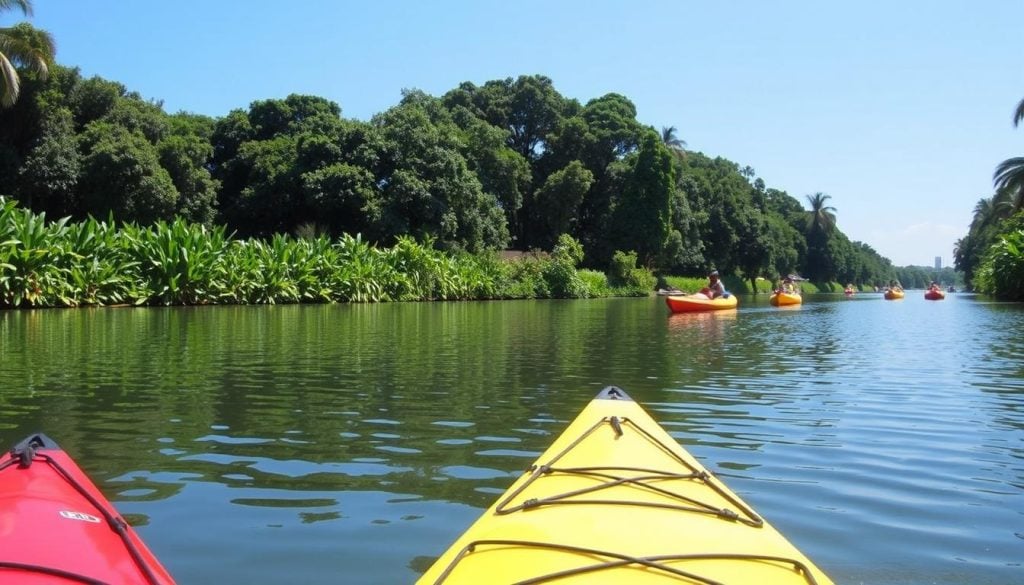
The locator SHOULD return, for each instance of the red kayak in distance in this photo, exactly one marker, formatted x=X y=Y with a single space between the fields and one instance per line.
x=934 y=295
x=57 y=528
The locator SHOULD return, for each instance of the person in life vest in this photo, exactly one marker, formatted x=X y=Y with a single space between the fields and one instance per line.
x=715 y=288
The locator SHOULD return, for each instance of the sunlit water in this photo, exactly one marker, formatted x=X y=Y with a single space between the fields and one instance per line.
x=327 y=444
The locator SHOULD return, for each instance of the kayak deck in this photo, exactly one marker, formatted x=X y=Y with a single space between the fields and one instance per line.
x=616 y=500
x=57 y=528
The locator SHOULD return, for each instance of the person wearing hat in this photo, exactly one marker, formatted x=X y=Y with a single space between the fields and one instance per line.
x=715 y=288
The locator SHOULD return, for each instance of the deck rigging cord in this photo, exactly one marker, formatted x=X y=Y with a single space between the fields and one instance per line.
x=644 y=479
x=27 y=453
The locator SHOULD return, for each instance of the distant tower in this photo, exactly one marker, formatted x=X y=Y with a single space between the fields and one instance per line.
x=938 y=263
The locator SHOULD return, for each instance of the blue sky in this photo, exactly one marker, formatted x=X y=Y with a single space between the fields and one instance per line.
x=898 y=110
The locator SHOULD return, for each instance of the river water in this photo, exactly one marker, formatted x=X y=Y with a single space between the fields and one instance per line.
x=353 y=443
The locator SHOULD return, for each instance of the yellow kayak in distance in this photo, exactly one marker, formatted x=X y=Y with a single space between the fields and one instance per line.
x=894 y=295
x=615 y=500
x=782 y=299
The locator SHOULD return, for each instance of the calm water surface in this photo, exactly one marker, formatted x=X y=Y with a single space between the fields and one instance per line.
x=327 y=444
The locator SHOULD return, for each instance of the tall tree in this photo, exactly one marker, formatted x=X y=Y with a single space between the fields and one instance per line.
x=821 y=220
x=643 y=214
x=823 y=217
x=1009 y=175
x=670 y=138
x=22 y=45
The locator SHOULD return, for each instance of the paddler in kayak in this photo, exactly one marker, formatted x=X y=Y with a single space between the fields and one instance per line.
x=787 y=287
x=715 y=288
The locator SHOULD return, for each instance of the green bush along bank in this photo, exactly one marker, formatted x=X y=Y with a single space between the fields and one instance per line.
x=93 y=263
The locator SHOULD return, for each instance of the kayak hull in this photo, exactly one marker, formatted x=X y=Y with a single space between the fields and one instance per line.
x=894 y=295
x=695 y=303
x=56 y=527
x=782 y=299
x=614 y=500
x=934 y=295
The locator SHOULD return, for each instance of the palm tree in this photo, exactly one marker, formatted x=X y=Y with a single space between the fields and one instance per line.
x=24 y=45
x=1009 y=175
x=670 y=139
x=984 y=214
x=823 y=217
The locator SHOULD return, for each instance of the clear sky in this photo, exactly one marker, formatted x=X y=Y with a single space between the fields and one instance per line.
x=898 y=110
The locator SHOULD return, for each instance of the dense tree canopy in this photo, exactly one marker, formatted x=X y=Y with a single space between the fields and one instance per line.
x=510 y=163
x=991 y=255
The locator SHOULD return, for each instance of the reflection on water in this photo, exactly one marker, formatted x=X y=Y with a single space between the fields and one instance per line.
x=352 y=443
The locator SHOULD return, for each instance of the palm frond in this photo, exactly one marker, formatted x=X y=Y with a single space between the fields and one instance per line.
x=1009 y=175
x=28 y=47
x=10 y=85
x=1018 y=114
x=670 y=139
x=24 y=5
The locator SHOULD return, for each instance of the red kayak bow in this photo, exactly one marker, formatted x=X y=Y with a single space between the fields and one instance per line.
x=57 y=528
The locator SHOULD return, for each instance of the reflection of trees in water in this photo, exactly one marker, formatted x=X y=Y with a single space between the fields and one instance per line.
x=318 y=408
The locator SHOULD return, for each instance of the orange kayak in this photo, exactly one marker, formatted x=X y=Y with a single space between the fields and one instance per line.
x=781 y=299
x=893 y=295
x=698 y=302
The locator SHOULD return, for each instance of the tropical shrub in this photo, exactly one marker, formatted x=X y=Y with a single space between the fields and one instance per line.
x=595 y=283
x=560 y=270
x=97 y=265
x=29 y=273
x=1001 y=273
x=180 y=263
x=625 y=276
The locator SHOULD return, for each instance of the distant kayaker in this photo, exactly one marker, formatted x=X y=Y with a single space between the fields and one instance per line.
x=895 y=285
x=715 y=288
x=787 y=286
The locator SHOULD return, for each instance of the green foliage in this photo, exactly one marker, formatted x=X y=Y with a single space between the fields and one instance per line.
x=642 y=217
x=22 y=46
x=568 y=250
x=97 y=265
x=428 y=190
x=512 y=160
x=179 y=263
x=1001 y=273
x=49 y=174
x=687 y=284
x=595 y=283
x=562 y=280
x=184 y=157
x=814 y=287
x=624 y=274
x=29 y=272
x=557 y=203
x=121 y=174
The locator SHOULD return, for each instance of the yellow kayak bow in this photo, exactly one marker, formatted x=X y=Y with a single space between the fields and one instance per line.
x=616 y=500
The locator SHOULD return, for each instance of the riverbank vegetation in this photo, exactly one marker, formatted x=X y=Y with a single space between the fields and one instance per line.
x=89 y=263
x=991 y=255
x=508 y=165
